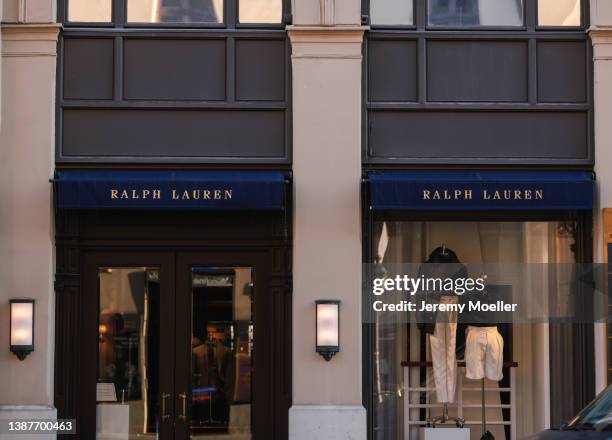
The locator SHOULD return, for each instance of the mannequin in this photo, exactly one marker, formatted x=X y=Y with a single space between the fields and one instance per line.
x=442 y=326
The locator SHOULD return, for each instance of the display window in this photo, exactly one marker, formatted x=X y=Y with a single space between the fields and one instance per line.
x=408 y=390
x=434 y=366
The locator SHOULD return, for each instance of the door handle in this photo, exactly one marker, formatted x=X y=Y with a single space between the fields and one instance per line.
x=183 y=415
x=165 y=416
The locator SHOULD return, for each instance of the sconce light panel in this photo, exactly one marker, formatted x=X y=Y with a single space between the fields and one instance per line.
x=22 y=327
x=327 y=328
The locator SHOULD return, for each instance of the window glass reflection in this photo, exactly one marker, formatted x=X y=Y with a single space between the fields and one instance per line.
x=404 y=395
x=90 y=11
x=222 y=349
x=175 y=11
x=559 y=12
x=475 y=12
x=128 y=353
x=391 y=12
x=260 y=11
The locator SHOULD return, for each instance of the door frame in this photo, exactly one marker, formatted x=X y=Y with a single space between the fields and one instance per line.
x=79 y=233
x=92 y=262
x=262 y=317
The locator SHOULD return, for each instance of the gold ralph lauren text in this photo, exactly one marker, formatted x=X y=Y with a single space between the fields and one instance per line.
x=175 y=194
x=468 y=194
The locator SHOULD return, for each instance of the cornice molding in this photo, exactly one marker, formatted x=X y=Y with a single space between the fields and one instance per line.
x=326 y=42
x=601 y=38
x=326 y=34
x=27 y=31
x=29 y=40
x=600 y=34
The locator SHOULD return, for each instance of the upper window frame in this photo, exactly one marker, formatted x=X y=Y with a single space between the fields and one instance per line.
x=530 y=21
x=119 y=19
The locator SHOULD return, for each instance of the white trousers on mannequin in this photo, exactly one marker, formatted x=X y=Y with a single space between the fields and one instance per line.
x=443 y=343
x=484 y=353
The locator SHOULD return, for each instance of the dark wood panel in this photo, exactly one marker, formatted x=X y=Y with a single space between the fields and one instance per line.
x=477 y=71
x=392 y=70
x=202 y=95
x=175 y=133
x=260 y=70
x=88 y=68
x=174 y=69
x=182 y=227
x=562 y=70
x=478 y=134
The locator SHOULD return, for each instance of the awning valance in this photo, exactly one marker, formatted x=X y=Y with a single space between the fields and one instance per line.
x=465 y=191
x=165 y=189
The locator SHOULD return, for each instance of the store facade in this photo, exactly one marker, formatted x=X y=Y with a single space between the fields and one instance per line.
x=188 y=305
x=477 y=144
x=217 y=167
x=172 y=197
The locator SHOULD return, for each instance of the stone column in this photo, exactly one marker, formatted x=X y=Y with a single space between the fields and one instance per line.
x=601 y=36
x=326 y=61
x=27 y=115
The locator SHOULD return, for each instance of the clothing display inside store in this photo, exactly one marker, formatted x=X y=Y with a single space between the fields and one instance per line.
x=486 y=376
x=484 y=345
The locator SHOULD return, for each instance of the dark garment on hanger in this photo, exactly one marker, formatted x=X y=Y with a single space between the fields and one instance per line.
x=442 y=263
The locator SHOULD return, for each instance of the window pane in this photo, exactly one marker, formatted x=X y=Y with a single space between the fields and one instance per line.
x=559 y=12
x=475 y=12
x=127 y=391
x=391 y=12
x=175 y=11
x=404 y=397
x=260 y=11
x=90 y=11
x=221 y=353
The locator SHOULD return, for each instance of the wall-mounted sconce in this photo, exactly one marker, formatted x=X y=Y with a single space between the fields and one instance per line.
x=22 y=327
x=328 y=327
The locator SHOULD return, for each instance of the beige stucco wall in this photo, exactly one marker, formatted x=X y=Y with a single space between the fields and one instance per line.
x=26 y=161
x=326 y=43
x=327 y=235
x=601 y=36
x=312 y=12
x=28 y=11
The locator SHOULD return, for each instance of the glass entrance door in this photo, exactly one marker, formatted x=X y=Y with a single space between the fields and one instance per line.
x=219 y=400
x=176 y=344
x=127 y=338
x=216 y=346
x=129 y=395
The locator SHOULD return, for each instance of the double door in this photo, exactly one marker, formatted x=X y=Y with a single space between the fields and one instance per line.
x=177 y=345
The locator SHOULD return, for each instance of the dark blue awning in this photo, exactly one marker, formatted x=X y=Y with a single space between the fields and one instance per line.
x=164 y=189
x=464 y=191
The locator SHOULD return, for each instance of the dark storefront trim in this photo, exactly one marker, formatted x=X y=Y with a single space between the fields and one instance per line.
x=173 y=93
x=257 y=237
x=534 y=115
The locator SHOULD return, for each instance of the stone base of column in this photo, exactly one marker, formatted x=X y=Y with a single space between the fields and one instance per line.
x=329 y=422
x=26 y=412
